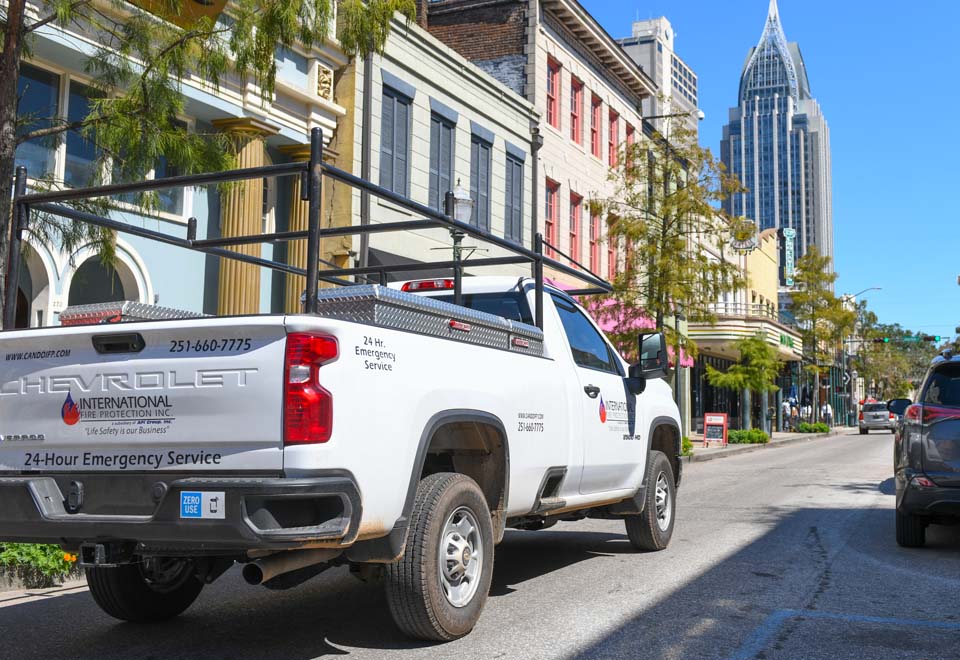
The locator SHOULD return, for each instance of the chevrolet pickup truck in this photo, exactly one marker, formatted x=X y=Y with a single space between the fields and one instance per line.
x=392 y=431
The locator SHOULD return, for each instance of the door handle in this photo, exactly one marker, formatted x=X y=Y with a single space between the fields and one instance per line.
x=591 y=390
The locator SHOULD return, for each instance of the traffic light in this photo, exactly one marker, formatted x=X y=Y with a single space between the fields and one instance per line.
x=935 y=338
x=881 y=340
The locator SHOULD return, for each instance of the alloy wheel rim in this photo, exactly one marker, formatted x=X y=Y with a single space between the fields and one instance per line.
x=460 y=557
x=664 y=505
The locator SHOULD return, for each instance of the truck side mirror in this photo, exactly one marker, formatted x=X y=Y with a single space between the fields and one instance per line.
x=654 y=360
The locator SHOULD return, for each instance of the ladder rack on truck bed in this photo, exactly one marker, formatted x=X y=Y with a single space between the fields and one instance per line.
x=311 y=174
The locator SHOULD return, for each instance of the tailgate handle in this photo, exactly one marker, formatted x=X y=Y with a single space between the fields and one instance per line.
x=128 y=342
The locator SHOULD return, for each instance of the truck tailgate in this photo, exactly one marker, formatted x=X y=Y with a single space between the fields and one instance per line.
x=188 y=395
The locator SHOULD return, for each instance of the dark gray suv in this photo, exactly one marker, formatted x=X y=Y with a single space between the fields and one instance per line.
x=926 y=453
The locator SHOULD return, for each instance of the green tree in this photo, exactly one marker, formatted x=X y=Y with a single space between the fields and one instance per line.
x=675 y=242
x=144 y=52
x=822 y=317
x=756 y=370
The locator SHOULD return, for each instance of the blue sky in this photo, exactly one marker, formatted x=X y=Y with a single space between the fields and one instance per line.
x=886 y=76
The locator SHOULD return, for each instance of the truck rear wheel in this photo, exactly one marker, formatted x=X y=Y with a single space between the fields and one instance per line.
x=153 y=589
x=652 y=529
x=437 y=590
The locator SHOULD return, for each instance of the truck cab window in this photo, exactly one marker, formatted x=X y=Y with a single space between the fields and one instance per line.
x=510 y=305
x=588 y=346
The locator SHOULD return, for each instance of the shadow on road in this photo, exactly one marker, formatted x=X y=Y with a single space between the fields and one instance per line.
x=807 y=561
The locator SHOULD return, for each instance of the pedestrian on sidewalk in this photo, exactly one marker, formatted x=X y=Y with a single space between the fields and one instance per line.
x=794 y=417
x=785 y=415
x=829 y=414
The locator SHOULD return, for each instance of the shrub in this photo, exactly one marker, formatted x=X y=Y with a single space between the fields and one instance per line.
x=37 y=565
x=806 y=427
x=751 y=437
x=687 y=446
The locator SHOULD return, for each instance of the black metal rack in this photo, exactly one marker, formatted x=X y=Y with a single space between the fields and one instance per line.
x=311 y=173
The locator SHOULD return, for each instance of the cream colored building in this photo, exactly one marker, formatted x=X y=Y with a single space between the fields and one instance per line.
x=435 y=120
x=745 y=313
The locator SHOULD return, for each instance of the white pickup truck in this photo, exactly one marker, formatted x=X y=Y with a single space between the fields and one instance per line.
x=393 y=431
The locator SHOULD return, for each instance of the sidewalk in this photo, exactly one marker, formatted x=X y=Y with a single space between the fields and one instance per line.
x=779 y=439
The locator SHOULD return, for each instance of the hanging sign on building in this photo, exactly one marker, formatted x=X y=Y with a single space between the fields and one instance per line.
x=715 y=429
x=788 y=262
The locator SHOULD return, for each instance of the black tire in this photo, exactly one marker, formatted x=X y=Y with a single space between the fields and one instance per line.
x=647 y=531
x=415 y=589
x=911 y=531
x=124 y=592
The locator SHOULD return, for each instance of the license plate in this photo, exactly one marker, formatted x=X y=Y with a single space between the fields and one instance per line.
x=203 y=505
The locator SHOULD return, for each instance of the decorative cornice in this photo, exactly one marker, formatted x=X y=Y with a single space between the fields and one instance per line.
x=245 y=126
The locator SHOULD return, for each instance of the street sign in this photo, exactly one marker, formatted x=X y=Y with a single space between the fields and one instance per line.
x=846 y=377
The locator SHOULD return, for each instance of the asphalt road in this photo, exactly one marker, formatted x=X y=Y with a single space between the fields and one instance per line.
x=784 y=553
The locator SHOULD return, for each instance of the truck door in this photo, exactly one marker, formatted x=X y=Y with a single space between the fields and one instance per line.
x=612 y=447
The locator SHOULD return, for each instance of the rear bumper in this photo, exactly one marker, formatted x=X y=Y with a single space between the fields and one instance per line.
x=878 y=426
x=937 y=502
x=257 y=513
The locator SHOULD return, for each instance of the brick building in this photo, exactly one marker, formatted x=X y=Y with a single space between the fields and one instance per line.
x=587 y=90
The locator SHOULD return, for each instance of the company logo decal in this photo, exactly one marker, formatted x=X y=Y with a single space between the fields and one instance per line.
x=603 y=412
x=69 y=411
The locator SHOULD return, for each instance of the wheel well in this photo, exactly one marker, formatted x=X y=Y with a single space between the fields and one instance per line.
x=666 y=439
x=479 y=451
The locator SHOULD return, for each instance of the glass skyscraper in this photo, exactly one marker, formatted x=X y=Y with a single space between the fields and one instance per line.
x=778 y=144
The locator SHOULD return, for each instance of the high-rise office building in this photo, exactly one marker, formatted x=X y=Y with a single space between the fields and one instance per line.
x=651 y=46
x=778 y=144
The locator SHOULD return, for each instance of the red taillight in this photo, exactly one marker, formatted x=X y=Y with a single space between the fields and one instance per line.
x=308 y=408
x=912 y=413
x=892 y=417
x=937 y=414
x=427 y=285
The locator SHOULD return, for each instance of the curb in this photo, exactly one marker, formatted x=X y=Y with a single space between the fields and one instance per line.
x=733 y=450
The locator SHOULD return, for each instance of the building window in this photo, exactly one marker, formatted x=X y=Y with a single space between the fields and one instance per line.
x=552 y=215
x=82 y=154
x=576 y=206
x=442 y=140
x=38 y=92
x=480 y=156
x=395 y=141
x=613 y=139
x=513 y=214
x=553 y=92
x=595 y=108
x=594 y=243
x=631 y=135
x=576 y=111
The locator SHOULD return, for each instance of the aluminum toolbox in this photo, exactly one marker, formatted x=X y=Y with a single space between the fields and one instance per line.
x=121 y=311
x=373 y=304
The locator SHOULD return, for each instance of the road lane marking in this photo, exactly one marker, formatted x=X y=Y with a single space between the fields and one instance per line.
x=766 y=631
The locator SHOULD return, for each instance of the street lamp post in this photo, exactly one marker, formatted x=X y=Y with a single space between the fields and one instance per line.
x=458 y=206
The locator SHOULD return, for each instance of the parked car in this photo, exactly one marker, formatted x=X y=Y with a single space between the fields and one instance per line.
x=876 y=417
x=391 y=431
x=926 y=456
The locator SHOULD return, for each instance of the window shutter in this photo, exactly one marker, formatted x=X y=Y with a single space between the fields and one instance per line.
x=387 y=140
x=436 y=131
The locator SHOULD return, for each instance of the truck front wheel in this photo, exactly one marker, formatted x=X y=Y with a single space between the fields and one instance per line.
x=437 y=590
x=152 y=589
x=652 y=529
